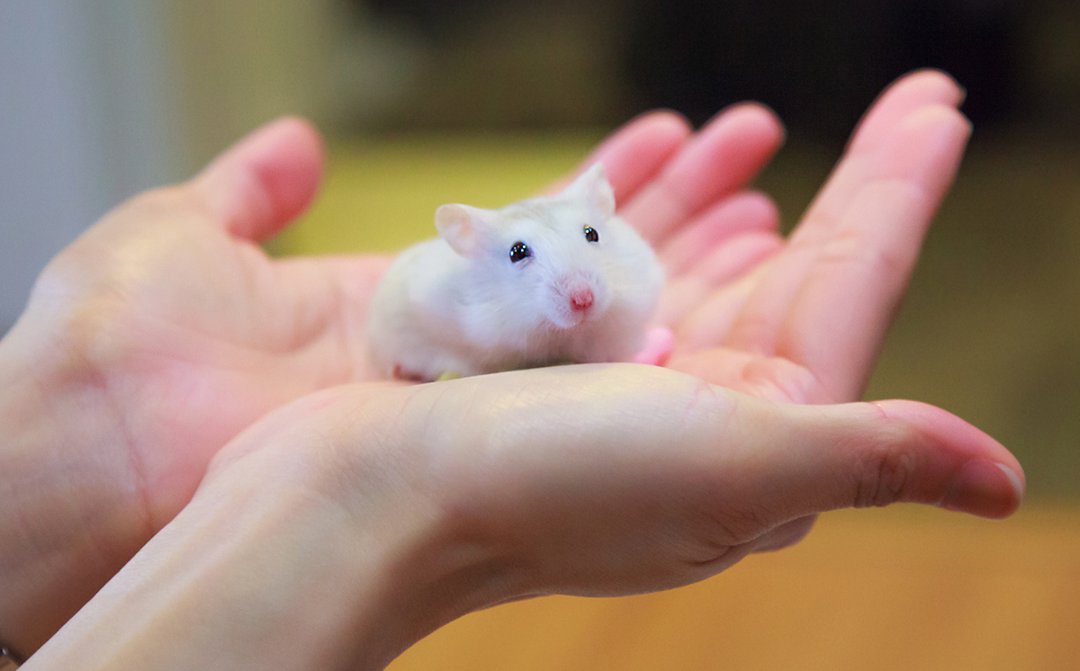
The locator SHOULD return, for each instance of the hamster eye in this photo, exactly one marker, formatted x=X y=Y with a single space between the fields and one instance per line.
x=591 y=235
x=519 y=251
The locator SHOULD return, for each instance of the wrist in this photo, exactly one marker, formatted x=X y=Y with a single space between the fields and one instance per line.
x=62 y=508
x=287 y=557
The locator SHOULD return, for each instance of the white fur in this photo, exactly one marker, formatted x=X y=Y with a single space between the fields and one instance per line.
x=472 y=311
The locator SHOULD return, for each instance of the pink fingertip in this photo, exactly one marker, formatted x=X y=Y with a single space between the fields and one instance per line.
x=1017 y=480
x=948 y=89
x=661 y=128
x=908 y=93
x=751 y=113
x=292 y=173
x=636 y=151
x=659 y=343
x=988 y=481
x=984 y=488
x=266 y=179
x=724 y=155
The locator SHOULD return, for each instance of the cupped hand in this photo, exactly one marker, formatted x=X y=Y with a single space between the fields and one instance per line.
x=182 y=331
x=612 y=479
x=163 y=332
x=343 y=527
x=798 y=319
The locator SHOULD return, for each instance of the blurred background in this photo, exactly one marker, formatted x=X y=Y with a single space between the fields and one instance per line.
x=426 y=102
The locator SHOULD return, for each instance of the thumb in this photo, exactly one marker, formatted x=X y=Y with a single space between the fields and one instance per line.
x=265 y=180
x=818 y=458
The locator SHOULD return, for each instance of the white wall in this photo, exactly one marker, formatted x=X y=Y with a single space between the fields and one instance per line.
x=83 y=123
x=101 y=99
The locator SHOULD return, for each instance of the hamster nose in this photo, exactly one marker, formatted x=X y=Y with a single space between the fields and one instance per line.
x=581 y=300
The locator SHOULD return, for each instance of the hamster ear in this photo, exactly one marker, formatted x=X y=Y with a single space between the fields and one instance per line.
x=593 y=186
x=465 y=228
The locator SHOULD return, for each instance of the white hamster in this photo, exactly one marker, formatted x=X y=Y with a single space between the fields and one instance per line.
x=556 y=279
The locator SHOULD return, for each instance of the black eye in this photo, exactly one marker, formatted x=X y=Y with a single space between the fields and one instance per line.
x=591 y=235
x=519 y=251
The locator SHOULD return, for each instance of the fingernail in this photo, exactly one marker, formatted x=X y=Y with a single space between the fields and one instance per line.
x=984 y=488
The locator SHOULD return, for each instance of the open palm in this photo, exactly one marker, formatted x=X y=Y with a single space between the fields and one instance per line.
x=800 y=319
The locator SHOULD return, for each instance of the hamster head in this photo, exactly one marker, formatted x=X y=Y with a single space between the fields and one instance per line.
x=553 y=263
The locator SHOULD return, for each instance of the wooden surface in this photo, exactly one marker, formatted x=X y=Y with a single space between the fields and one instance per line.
x=902 y=588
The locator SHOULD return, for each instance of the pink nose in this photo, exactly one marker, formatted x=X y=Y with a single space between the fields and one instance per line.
x=581 y=300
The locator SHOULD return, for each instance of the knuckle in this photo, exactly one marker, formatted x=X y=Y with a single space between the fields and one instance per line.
x=857 y=246
x=885 y=476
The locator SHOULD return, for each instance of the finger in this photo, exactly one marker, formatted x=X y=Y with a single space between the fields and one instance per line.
x=605 y=474
x=773 y=379
x=703 y=301
x=680 y=297
x=802 y=460
x=720 y=159
x=740 y=255
x=264 y=181
x=838 y=321
x=741 y=213
x=335 y=307
x=878 y=236
x=907 y=95
x=635 y=152
x=756 y=328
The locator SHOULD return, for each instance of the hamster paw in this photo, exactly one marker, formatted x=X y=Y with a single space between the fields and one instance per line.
x=399 y=373
x=659 y=342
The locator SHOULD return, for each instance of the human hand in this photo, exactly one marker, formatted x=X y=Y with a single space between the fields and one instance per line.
x=800 y=319
x=136 y=361
x=159 y=335
x=342 y=528
x=146 y=345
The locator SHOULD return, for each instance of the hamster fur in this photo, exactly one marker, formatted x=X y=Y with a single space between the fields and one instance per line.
x=582 y=289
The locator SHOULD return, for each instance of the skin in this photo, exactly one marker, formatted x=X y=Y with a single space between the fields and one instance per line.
x=342 y=528
x=164 y=334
